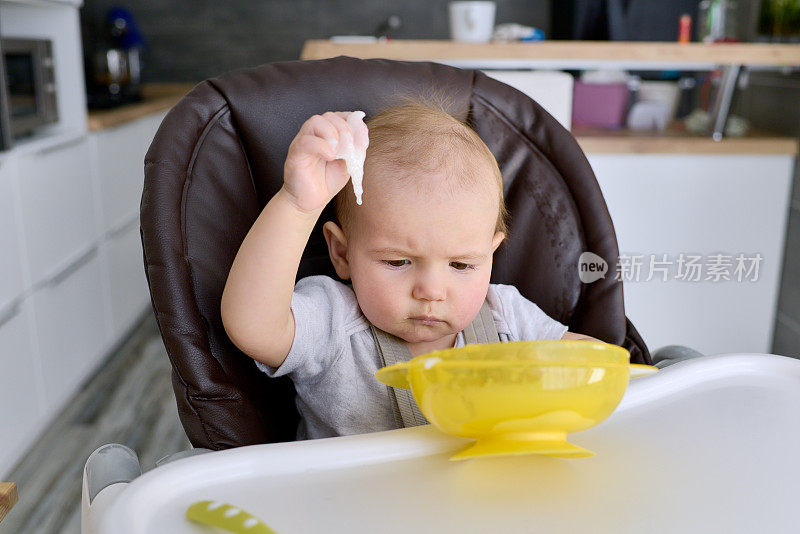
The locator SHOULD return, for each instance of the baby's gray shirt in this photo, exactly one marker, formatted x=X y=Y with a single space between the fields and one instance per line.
x=334 y=356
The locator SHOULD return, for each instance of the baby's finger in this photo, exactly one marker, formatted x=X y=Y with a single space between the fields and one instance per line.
x=342 y=114
x=346 y=144
x=355 y=123
x=321 y=127
x=359 y=129
x=339 y=122
x=311 y=145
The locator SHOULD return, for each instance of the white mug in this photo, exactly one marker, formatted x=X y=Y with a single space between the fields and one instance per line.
x=472 y=21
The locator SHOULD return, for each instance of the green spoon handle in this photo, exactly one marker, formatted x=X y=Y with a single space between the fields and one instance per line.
x=227 y=517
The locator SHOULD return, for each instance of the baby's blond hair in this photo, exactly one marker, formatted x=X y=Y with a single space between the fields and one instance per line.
x=422 y=136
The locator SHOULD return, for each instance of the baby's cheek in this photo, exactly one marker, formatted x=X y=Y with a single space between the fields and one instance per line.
x=470 y=301
x=381 y=303
x=376 y=298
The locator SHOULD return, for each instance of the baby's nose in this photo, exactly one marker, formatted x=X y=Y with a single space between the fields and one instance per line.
x=429 y=286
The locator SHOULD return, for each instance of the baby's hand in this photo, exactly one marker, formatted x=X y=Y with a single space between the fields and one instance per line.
x=313 y=172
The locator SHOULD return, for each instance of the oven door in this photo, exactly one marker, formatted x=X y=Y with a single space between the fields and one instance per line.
x=30 y=90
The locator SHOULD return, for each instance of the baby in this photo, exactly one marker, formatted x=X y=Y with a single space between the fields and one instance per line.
x=418 y=252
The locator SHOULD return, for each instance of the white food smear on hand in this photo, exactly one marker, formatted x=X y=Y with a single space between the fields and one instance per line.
x=354 y=154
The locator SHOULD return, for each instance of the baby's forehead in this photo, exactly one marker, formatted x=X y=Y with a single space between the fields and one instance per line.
x=387 y=198
x=428 y=198
x=445 y=175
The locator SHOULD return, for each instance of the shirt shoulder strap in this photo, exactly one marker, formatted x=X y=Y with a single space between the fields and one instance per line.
x=482 y=329
x=394 y=350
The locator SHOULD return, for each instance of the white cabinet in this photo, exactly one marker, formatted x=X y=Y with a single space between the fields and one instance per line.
x=70 y=327
x=57 y=206
x=119 y=156
x=69 y=222
x=62 y=307
x=11 y=259
x=119 y=153
x=708 y=206
x=72 y=280
x=129 y=294
x=21 y=405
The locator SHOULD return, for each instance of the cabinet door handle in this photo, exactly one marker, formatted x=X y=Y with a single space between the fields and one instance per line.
x=9 y=313
x=123 y=227
x=62 y=145
x=72 y=267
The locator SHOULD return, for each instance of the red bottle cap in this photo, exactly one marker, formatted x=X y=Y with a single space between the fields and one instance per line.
x=685 y=29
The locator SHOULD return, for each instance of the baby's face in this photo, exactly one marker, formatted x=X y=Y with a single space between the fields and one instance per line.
x=420 y=259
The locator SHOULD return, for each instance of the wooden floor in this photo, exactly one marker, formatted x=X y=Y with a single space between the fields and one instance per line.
x=128 y=401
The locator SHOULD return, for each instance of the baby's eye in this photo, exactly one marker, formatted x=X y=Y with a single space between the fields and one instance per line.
x=396 y=263
x=458 y=266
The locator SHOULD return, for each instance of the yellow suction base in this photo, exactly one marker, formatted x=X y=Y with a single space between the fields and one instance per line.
x=518 y=444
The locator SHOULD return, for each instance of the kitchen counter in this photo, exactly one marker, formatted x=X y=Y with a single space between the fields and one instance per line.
x=156 y=97
x=162 y=96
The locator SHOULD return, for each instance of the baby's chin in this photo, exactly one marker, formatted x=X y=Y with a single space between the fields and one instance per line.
x=417 y=333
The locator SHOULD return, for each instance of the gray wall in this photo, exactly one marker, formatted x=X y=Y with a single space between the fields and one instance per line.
x=191 y=40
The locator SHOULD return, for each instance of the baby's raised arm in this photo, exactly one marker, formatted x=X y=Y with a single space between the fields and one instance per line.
x=256 y=301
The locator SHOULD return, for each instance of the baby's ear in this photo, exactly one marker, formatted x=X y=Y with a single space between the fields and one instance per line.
x=498 y=238
x=337 y=248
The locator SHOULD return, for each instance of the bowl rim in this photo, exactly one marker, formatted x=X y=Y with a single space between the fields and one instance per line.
x=429 y=364
x=622 y=355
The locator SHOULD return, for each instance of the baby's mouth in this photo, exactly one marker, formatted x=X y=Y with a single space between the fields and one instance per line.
x=429 y=320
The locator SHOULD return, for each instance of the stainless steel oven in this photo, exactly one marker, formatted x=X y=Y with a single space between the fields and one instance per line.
x=28 y=92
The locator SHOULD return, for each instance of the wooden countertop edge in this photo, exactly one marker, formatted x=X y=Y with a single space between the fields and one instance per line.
x=8 y=498
x=688 y=145
x=157 y=97
x=772 y=54
x=101 y=120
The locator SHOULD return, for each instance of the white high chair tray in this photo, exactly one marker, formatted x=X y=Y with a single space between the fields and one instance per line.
x=706 y=445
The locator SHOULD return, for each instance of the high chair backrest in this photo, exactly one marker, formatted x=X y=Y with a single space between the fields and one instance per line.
x=218 y=158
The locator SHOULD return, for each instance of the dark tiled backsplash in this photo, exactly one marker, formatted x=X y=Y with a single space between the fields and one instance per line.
x=191 y=40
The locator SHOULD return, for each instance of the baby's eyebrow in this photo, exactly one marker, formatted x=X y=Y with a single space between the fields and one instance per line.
x=389 y=250
x=472 y=256
x=407 y=254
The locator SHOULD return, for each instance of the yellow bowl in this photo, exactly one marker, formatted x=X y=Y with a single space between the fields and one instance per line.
x=517 y=398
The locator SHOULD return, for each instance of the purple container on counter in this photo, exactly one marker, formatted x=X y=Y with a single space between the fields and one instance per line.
x=600 y=104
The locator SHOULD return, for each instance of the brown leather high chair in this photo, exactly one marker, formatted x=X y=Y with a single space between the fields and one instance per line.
x=218 y=158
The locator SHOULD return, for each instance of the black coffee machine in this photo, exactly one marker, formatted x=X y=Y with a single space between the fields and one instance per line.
x=113 y=62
